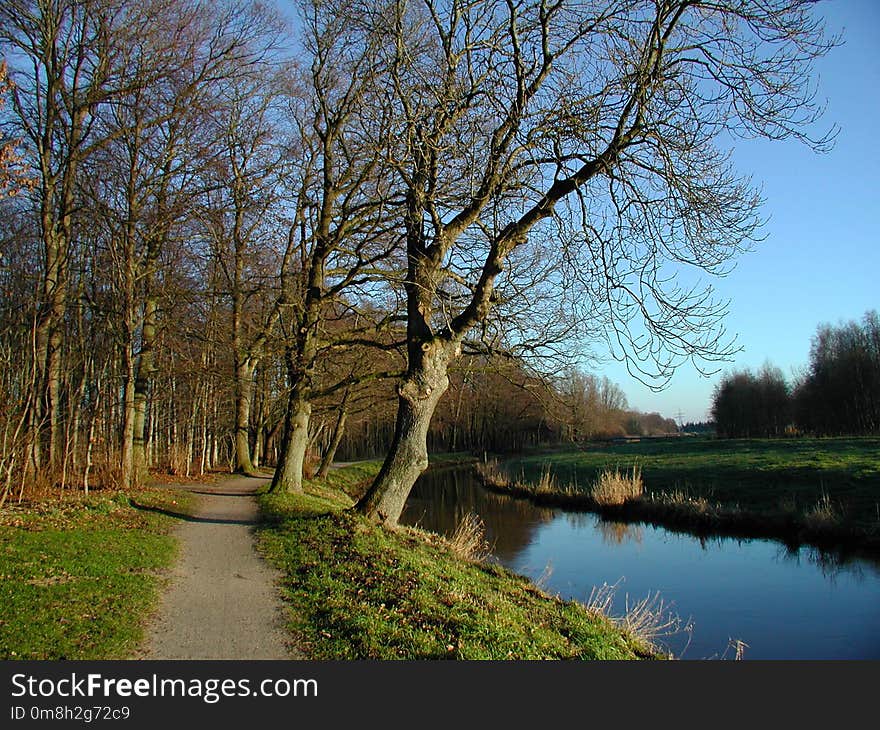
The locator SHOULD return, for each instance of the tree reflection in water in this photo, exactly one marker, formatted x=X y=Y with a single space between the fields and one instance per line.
x=441 y=498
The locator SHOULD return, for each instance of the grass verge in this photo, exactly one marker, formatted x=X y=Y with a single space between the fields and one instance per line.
x=624 y=497
x=761 y=475
x=358 y=591
x=79 y=575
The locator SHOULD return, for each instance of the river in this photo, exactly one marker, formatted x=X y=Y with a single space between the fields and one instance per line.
x=782 y=603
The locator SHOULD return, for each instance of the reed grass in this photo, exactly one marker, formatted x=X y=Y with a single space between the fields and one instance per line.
x=822 y=514
x=614 y=488
x=648 y=620
x=468 y=542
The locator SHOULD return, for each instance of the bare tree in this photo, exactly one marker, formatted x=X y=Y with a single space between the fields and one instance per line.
x=68 y=67
x=145 y=181
x=839 y=393
x=341 y=229
x=13 y=174
x=243 y=207
x=599 y=130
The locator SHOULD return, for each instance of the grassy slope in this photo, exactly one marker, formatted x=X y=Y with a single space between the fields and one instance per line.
x=758 y=475
x=358 y=591
x=78 y=576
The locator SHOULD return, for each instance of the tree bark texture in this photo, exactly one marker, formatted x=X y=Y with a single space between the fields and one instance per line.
x=244 y=388
x=294 y=445
x=330 y=453
x=417 y=398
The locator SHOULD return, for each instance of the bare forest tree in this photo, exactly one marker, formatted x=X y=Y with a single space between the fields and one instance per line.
x=106 y=98
x=243 y=210
x=236 y=245
x=746 y=404
x=595 y=406
x=72 y=51
x=840 y=392
x=600 y=130
x=341 y=230
x=147 y=179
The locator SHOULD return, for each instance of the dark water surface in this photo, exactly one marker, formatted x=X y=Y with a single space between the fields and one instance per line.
x=784 y=604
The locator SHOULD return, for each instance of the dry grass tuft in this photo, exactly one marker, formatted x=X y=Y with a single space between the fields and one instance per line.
x=739 y=648
x=542 y=580
x=651 y=619
x=823 y=514
x=490 y=471
x=679 y=498
x=647 y=620
x=547 y=482
x=469 y=539
x=614 y=488
x=600 y=600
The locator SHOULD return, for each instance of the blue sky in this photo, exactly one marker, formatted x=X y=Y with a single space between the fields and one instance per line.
x=820 y=261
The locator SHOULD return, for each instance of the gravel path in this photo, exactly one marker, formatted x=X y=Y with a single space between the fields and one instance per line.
x=222 y=602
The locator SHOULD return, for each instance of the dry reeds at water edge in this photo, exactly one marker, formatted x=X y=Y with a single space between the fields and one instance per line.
x=621 y=494
x=494 y=477
x=612 y=488
x=647 y=620
x=822 y=515
x=469 y=539
x=547 y=482
x=615 y=488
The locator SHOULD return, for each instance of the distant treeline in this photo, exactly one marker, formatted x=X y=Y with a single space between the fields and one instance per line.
x=700 y=427
x=839 y=394
x=499 y=406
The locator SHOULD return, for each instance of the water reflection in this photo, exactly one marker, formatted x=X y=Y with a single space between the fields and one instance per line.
x=831 y=564
x=442 y=498
x=617 y=533
x=783 y=602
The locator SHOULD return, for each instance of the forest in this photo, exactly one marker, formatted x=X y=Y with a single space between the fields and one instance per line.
x=232 y=239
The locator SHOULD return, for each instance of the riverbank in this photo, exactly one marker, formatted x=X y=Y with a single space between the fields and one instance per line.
x=823 y=493
x=358 y=591
x=80 y=574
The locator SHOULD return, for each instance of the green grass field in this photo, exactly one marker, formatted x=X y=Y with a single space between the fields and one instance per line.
x=756 y=474
x=79 y=575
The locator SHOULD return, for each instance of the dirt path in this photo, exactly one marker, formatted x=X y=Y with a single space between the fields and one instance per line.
x=222 y=602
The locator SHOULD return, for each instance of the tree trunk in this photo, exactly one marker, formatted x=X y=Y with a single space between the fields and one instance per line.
x=91 y=437
x=258 y=448
x=330 y=454
x=53 y=391
x=271 y=439
x=418 y=395
x=151 y=447
x=338 y=431
x=203 y=441
x=314 y=438
x=244 y=388
x=145 y=372
x=48 y=335
x=294 y=444
x=191 y=432
x=129 y=475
